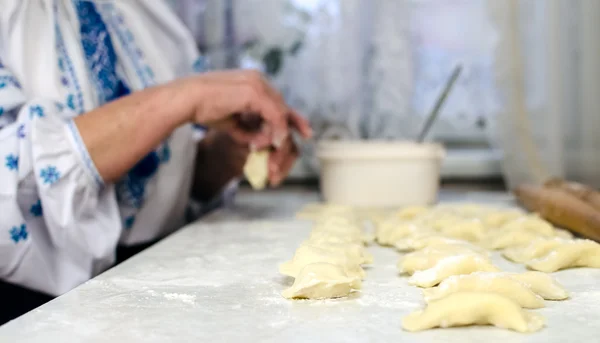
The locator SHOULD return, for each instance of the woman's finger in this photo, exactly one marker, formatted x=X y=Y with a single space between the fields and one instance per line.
x=300 y=124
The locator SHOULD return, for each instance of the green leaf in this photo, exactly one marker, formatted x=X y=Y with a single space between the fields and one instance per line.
x=273 y=60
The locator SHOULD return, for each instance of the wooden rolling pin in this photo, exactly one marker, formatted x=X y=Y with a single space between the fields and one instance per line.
x=581 y=191
x=561 y=208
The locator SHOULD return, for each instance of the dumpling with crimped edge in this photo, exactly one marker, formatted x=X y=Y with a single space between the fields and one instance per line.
x=474 y=308
x=496 y=282
x=393 y=230
x=428 y=257
x=533 y=250
x=428 y=239
x=322 y=281
x=328 y=236
x=306 y=255
x=542 y=284
x=354 y=251
x=411 y=212
x=504 y=238
x=531 y=223
x=449 y=266
x=571 y=254
x=495 y=219
x=471 y=230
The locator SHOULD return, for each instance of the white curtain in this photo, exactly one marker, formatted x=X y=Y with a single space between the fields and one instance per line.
x=548 y=76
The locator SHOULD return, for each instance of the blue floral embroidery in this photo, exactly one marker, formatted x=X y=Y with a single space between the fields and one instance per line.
x=18 y=233
x=199 y=65
x=36 y=111
x=21 y=131
x=129 y=222
x=50 y=175
x=36 y=209
x=71 y=101
x=12 y=162
x=166 y=154
x=6 y=81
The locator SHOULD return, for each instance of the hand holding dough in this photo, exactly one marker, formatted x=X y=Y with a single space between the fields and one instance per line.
x=473 y=308
x=322 y=281
x=256 y=169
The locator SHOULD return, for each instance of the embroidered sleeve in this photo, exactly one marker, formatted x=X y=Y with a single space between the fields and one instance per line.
x=54 y=203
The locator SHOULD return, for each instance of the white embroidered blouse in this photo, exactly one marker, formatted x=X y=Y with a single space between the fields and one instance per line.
x=59 y=222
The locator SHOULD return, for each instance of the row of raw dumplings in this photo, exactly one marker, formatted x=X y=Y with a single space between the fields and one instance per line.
x=524 y=238
x=329 y=263
x=448 y=256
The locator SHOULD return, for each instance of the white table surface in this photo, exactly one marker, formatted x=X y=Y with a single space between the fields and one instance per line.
x=217 y=281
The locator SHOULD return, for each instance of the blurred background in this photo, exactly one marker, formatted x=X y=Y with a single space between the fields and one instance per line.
x=524 y=108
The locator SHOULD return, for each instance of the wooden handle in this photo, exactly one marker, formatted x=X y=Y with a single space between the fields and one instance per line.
x=581 y=191
x=561 y=208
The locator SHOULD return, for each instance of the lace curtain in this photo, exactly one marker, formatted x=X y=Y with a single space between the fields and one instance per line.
x=360 y=69
x=548 y=74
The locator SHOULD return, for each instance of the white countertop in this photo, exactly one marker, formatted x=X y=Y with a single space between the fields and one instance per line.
x=217 y=281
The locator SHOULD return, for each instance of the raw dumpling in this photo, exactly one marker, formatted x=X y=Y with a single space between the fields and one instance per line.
x=306 y=255
x=354 y=251
x=453 y=265
x=333 y=237
x=256 y=169
x=561 y=233
x=469 y=230
x=409 y=213
x=500 y=283
x=498 y=218
x=473 y=308
x=393 y=230
x=531 y=223
x=535 y=249
x=322 y=281
x=502 y=239
x=428 y=257
x=542 y=284
x=425 y=240
x=574 y=253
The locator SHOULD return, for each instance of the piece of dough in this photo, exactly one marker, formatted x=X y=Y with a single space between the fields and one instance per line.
x=334 y=237
x=498 y=218
x=533 y=250
x=504 y=238
x=561 y=233
x=571 y=254
x=425 y=240
x=453 y=265
x=542 y=284
x=394 y=229
x=411 y=212
x=354 y=251
x=474 y=308
x=306 y=255
x=256 y=169
x=500 y=283
x=471 y=230
x=531 y=223
x=428 y=257
x=322 y=281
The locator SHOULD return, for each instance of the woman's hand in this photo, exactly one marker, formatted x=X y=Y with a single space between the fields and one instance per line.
x=221 y=99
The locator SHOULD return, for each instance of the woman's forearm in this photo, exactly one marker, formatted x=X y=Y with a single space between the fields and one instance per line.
x=119 y=134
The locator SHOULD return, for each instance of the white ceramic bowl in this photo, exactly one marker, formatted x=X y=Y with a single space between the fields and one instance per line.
x=379 y=173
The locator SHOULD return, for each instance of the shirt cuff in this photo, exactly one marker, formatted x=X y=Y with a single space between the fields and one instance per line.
x=82 y=152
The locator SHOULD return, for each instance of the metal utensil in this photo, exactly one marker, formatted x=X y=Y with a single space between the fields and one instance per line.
x=438 y=105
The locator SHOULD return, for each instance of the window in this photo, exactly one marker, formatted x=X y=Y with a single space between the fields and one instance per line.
x=369 y=69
